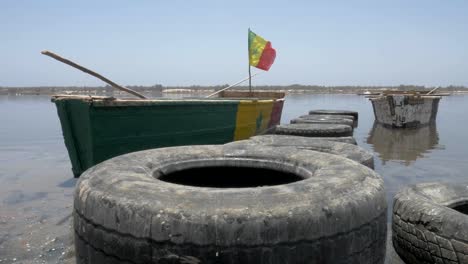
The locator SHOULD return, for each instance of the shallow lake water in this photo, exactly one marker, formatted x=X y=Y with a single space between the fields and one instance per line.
x=408 y=156
x=36 y=182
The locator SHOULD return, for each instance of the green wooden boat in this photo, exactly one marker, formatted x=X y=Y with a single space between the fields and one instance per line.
x=98 y=128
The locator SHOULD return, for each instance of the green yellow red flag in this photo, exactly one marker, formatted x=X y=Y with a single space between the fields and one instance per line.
x=261 y=53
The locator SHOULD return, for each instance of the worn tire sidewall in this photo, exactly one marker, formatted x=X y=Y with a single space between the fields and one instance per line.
x=121 y=196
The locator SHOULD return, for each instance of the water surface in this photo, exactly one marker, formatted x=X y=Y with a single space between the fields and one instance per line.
x=36 y=182
x=403 y=157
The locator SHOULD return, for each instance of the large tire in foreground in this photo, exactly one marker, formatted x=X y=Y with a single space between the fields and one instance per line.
x=349 y=151
x=349 y=140
x=430 y=223
x=229 y=204
x=347 y=122
x=335 y=112
x=314 y=130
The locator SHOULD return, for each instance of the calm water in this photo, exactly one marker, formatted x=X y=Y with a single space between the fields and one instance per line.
x=403 y=157
x=36 y=183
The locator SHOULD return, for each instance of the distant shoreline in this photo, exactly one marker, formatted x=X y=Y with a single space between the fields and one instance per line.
x=159 y=90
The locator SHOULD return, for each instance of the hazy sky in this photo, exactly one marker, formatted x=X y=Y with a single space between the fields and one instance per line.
x=205 y=42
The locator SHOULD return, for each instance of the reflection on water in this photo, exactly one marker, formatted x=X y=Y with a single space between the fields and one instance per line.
x=405 y=145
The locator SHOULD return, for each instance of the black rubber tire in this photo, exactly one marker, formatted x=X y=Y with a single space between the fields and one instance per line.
x=124 y=214
x=329 y=117
x=349 y=140
x=347 y=122
x=345 y=150
x=335 y=112
x=425 y=227
x=315 y=116
x=391 y=256
x=314 y=130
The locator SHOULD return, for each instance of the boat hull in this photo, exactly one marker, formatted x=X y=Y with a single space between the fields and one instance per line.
x=405 y=111
x=97 y=129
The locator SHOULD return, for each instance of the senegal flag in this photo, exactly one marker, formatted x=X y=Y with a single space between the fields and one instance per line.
x=261 y=54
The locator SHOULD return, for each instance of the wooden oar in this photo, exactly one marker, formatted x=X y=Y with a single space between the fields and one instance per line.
x=97 y=75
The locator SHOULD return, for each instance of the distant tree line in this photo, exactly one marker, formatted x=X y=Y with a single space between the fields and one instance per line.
x=158 y=89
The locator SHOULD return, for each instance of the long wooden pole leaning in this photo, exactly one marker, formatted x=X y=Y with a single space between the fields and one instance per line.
x=81 y=68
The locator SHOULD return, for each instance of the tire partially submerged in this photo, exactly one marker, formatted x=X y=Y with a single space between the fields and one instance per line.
x=347 y=122
x=349 y=140
x=315 y=116
x=331 y=117
x=430 y=223
x=335 y=112
x=314 y=130
x=349 y=151
x=229 y=204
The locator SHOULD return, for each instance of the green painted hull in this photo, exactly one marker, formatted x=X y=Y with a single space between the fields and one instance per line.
x=96 y=130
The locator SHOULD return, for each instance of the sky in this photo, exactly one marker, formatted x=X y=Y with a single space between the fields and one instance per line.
x=182 y=43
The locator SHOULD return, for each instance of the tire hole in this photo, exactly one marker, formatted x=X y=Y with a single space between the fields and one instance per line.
x=462 y=208
x=230 y=177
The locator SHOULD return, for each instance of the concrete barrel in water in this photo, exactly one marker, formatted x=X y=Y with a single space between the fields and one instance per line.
x=405 y=110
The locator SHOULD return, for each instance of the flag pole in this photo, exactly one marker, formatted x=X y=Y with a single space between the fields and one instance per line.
x=250 y=80
x=248 y=49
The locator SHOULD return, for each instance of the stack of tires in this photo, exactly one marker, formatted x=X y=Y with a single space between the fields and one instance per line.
x=329 y=131
x=321 y=123
x=269 y=199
